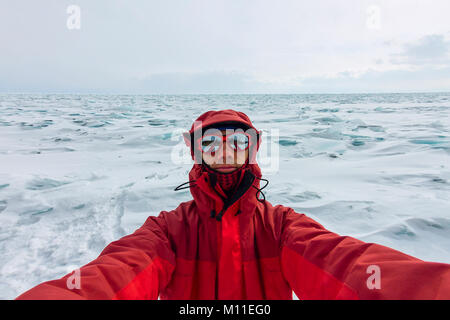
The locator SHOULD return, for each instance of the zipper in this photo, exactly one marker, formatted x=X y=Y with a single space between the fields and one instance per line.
x=246 y=183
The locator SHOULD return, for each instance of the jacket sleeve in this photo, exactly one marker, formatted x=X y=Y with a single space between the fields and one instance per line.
x=136 y=266
x=319 y=264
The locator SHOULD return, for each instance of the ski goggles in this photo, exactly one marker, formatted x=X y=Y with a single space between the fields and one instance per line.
x=238 y=141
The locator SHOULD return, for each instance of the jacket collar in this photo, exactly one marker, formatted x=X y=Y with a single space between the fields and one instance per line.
x=207 y=199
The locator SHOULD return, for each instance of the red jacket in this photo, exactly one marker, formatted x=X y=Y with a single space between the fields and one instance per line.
x=255 y=251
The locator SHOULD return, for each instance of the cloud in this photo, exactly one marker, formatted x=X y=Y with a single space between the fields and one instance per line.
x=429 y=50
x=372 y=81
x=200 y=82
x=224 y=46
x=423 y=79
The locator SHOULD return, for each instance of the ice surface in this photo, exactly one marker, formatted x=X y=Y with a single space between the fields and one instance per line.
x=79 y=171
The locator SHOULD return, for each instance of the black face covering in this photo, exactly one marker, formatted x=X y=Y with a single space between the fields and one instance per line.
x=227 y=181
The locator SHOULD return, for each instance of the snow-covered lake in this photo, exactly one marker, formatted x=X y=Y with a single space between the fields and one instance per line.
x=79 y=171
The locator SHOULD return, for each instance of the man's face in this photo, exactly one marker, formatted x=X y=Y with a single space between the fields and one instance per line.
x=226 y=159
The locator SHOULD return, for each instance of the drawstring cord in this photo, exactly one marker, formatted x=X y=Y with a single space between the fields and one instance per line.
x=260 y=190
x=180 y=187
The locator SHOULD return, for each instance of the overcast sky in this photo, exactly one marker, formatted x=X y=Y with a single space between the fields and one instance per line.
x=225 y=46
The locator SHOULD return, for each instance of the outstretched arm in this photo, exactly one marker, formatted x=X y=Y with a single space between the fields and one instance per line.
x=137 y=266
x=319 y=264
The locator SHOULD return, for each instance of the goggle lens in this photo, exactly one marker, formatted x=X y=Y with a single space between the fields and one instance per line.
x=238 y=141
x=210 y=143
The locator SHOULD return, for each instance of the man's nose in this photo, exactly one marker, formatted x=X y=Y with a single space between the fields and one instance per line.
x=228 y=154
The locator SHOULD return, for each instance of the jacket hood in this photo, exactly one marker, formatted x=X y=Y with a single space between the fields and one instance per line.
x=210 y=118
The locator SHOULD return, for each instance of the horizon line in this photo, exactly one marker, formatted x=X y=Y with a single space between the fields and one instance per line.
x=231 y=93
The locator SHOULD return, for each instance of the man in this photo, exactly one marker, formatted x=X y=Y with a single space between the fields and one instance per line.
x=229 y=243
